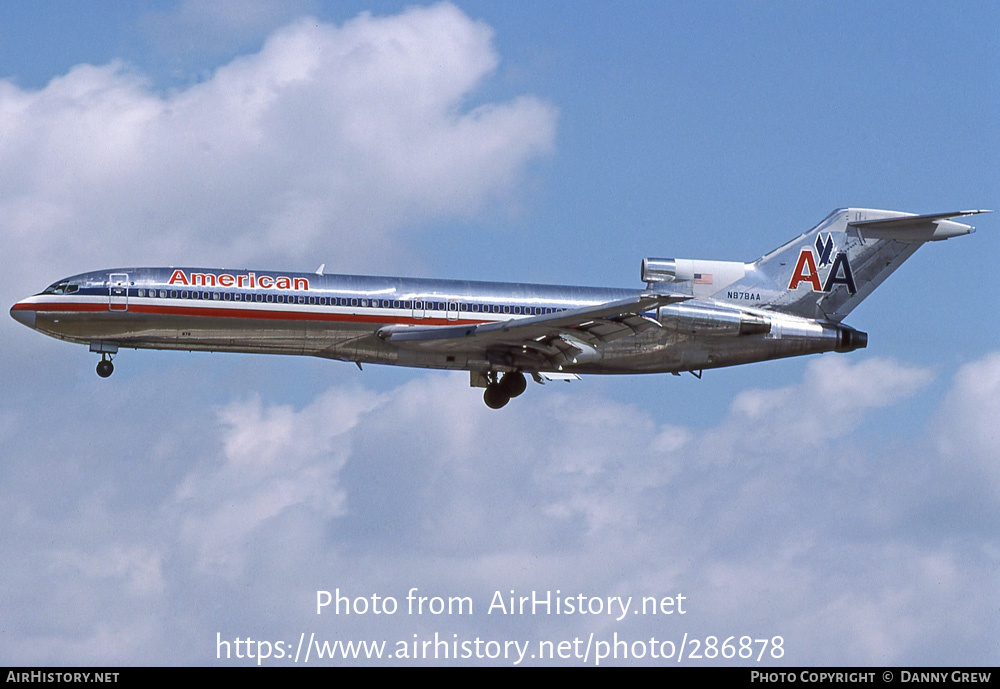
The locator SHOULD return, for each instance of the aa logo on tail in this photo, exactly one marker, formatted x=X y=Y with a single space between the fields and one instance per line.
x=807 y=270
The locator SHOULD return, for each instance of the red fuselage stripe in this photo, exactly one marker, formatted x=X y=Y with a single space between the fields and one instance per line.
x=244 y=313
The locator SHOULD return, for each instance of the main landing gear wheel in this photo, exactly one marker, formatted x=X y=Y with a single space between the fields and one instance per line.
x=104 y=367
x=514 y=383
x=495 y=396
x=499 y=393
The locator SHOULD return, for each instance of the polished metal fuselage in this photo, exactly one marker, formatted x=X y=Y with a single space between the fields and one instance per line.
x=338 y=317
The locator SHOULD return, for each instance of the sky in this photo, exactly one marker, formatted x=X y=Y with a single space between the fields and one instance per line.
x=841 y=509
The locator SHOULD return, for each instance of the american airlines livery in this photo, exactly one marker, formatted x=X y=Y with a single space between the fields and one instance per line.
x=692 y=314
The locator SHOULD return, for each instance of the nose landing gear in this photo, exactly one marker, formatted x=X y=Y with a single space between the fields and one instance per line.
x=499 y=393
x=107 y=350
x=104 y=367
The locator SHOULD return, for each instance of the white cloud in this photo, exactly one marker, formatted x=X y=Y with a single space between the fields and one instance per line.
x=330 y=144
x=262 y=503
x=273 y=460
x=831 y=400
x=969 y=435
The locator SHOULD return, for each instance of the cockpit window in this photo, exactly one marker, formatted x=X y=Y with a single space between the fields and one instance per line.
x=61 y=288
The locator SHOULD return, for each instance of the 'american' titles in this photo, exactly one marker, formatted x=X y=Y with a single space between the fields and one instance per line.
x=245 y=281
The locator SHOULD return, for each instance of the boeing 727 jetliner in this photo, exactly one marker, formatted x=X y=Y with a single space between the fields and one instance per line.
x=692 y=314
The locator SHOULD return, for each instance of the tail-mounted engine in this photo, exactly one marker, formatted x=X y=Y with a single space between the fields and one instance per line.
x=659 y=270
x=706 y=320
x=685 y=275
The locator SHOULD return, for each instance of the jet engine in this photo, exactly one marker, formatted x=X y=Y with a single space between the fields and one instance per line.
x=659 y=270
x=705 y=320
x=691 y=275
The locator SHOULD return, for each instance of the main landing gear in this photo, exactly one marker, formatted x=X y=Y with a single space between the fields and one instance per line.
x=104 y=367
x=499 y=392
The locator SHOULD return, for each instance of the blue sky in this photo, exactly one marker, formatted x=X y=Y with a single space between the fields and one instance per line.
x=848 y=503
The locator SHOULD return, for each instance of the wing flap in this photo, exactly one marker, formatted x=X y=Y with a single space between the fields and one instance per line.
x=551 y=376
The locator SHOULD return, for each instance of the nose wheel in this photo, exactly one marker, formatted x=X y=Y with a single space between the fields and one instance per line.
x=104 y=367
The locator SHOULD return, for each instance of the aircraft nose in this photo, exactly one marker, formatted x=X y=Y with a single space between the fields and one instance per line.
x=23 y=313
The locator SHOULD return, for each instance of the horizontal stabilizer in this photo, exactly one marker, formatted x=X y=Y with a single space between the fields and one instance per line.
x=916 y=228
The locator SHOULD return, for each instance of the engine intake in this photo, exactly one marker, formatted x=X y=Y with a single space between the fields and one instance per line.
x=659 y=270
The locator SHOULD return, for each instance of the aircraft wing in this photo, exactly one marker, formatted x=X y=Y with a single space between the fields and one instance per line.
x=537 y=342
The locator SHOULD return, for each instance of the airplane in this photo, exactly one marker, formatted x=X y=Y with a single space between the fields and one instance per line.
x=691 y=316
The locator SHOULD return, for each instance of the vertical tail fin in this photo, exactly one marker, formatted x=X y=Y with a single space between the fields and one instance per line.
x=827 y=271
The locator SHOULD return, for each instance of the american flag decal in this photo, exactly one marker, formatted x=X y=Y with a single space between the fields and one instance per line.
x=703 y=278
